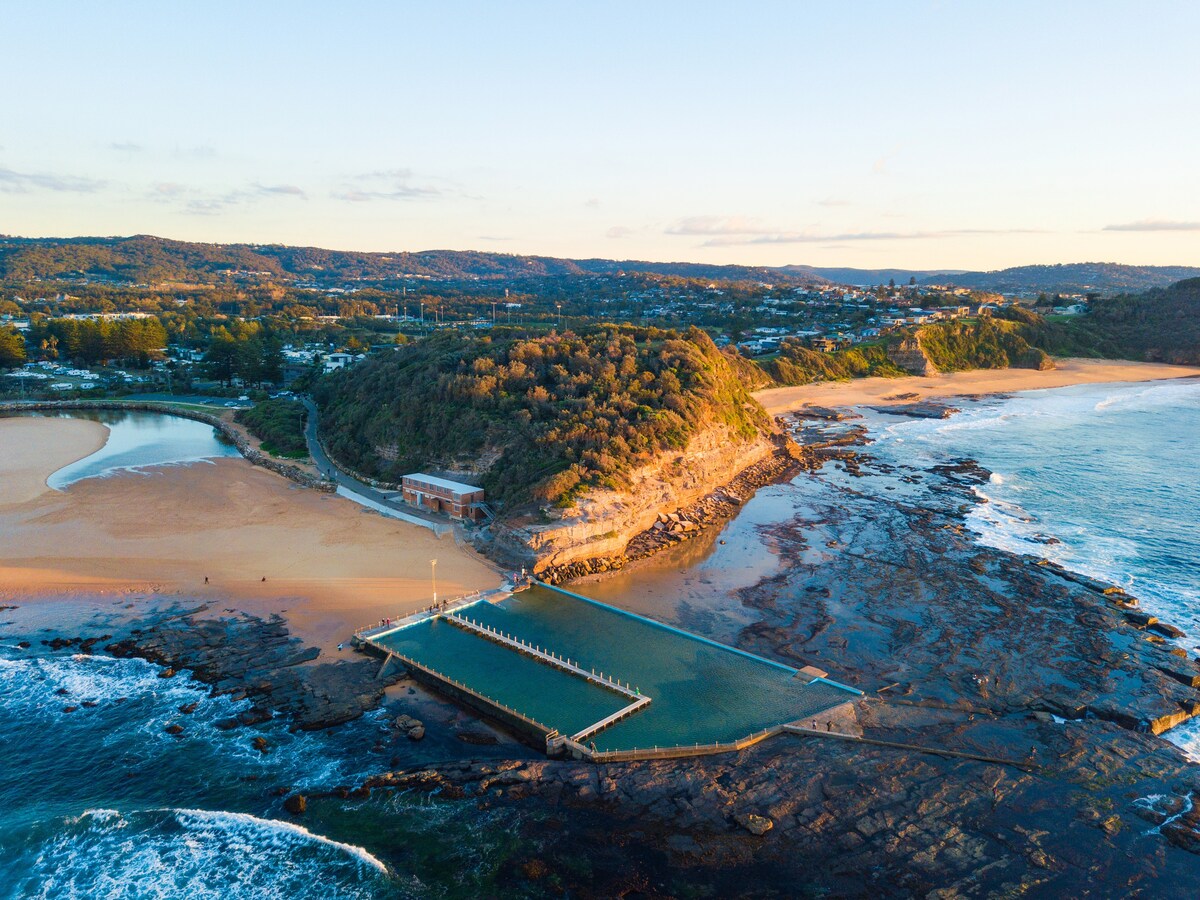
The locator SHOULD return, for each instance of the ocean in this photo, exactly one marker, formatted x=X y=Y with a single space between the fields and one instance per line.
x=1102 y=479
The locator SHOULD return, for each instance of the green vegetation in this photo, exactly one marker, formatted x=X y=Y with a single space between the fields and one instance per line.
x=1157 y=326
x=797 y=364
x=279 y=424
x=12 y=348
x=547 y=416
x=92 y=341
x=1005 y=340
x=244 y=350
x=988 y=343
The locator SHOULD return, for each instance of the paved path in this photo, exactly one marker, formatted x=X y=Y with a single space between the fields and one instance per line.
x=359 y=491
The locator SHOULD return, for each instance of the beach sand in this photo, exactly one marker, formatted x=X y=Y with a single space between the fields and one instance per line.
x=888 y=391
x=31 y=449
x=330 y=565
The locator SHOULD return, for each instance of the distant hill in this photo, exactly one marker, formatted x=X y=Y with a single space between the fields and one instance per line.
x=148 y=259
x=1064 y=278
x=1069 y=278
x=154 y=260
x=867 y=277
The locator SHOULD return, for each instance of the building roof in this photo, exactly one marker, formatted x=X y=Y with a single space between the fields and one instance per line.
x=457 y=486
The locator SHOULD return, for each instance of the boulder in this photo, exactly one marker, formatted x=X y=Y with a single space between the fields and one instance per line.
x=174 y=729
x=1167 y=630
x=755 y=824
x=296 y=804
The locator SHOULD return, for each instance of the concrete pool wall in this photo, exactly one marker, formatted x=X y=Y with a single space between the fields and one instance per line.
x=536 y=658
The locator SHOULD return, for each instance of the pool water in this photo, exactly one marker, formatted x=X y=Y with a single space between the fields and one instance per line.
x=701 y=692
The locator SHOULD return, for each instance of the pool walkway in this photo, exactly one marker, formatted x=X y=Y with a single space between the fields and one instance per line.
x=565 y=665
x=714 y=698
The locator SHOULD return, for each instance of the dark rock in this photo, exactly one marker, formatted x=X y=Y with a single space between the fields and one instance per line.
x=260 y=744
x=174 y=729
x=477 y=738
x=296 y=804
x=1167 y=630
x=188 y=708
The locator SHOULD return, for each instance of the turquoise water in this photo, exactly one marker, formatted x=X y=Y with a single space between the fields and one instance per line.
x=1108 y=471
x=549 y=696
x=700 y=692
x=137 y=440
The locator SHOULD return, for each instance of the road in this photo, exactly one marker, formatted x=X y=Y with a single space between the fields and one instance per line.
x=359 y=491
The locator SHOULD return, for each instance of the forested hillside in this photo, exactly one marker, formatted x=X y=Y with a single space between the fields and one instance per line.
x=541 y=418
x=148 y=259
x=1157 y=326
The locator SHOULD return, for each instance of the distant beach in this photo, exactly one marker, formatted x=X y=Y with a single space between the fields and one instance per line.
x=330 y=564
x=887 y=391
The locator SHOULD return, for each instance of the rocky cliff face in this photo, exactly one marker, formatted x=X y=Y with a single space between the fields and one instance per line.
x=909 y=355
x=602 y=523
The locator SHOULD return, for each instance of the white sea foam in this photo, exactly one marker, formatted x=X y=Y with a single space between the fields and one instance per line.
x=199 y=854
x=267 y=830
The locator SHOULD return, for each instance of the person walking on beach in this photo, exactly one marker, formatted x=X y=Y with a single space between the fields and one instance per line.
x=206 y=579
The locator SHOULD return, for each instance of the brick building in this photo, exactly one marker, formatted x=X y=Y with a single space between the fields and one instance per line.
x=458 y=500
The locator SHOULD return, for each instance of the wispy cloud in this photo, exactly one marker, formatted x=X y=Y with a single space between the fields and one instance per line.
x=126 y=147
x=719 y=225
x=12 y=182
x=288 y=190
x=1154 y=225
x=385 y=184
x=619 y=231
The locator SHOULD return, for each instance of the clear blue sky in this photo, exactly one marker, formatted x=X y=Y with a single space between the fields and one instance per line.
x=913 y=134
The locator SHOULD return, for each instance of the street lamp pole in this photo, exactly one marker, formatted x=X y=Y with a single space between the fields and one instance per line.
x=433 y=567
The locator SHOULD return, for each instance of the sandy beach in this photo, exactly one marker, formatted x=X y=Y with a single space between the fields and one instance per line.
x=887 y=391
x=329 y=564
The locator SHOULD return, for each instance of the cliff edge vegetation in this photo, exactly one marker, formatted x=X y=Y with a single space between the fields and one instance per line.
x=1004 y=340
x=537 y=420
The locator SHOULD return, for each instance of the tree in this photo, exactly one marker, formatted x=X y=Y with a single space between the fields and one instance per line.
x=220 y=362
x=12 y=348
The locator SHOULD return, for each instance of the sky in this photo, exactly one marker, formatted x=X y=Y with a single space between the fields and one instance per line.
x=911 y=133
